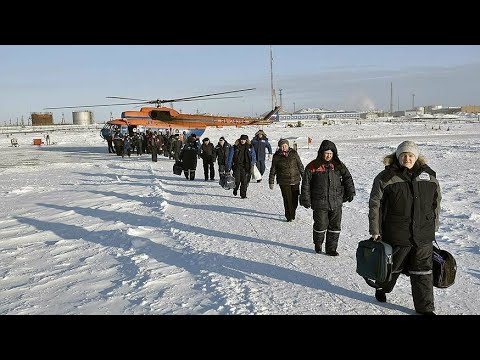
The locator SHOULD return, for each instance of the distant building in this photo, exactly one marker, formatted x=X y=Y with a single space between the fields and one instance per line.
x=316 y=114
x=447 y=110
x=42 y=118
x=471 y=108
x=412 y=112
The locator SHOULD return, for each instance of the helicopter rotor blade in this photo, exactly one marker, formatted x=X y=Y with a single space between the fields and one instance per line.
x=85 y=106
x=217 y=98
x=158 y=102
x=125 y=98
x=201 y=96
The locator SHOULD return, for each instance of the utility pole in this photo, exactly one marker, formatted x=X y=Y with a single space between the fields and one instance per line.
x=413 y=101
x=391 y=98
x=398 y=103
x=294 y=106
x=280 y=91
x=271 y=78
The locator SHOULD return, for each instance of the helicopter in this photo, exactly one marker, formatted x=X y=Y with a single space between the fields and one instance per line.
x=160 y=118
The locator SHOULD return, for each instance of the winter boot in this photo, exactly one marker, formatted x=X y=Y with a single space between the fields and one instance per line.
x=427 y=313
x=332 y=242
x=318 y=237
x=380 y=296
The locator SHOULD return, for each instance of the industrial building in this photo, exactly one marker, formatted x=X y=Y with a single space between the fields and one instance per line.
x=45 y=118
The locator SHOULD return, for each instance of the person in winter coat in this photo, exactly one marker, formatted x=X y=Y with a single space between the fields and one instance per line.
x=326 y=185
x=207 y=153
x=109 y=137
x=126 y=146
x=176 y=147
x=188 y=157
x=261 y=145
x=241 y=159
x=404 y=209
x=288 y=168
x=222 y=151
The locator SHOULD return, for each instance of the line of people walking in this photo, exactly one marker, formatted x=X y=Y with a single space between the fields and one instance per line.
x=404 y=201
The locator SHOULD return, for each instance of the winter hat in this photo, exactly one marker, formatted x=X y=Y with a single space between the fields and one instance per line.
x=206 y=139
x=407 y=146
x=327 y=145
x=244 y=137
x=260 y=132
x=221 y=138
x=283 y=141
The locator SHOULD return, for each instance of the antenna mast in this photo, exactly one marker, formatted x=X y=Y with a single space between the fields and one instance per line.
x=391 y=98
x=271 y=79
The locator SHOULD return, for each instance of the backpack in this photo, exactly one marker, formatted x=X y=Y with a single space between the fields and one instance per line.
x=374 y=262
x=444 y=268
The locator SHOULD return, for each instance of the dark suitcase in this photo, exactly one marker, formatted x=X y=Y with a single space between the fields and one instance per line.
x=227 y=182
x=177 y=168
x=444 y=268
x=374 y=261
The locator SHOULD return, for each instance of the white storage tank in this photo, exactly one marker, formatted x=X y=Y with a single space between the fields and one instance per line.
x=82 y=117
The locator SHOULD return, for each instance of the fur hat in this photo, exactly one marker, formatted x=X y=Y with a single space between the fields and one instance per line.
x=261 y=132
x=283 y=141
x=407 y=146
x=244 y=137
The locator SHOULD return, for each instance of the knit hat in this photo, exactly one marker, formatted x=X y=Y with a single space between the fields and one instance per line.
x=407 y=146
x=283 y=141
x=244 y=137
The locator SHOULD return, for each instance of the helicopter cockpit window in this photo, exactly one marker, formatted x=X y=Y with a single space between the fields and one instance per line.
x=161 y=115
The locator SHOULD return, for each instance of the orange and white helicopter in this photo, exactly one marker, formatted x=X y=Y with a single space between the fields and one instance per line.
x=160 y=118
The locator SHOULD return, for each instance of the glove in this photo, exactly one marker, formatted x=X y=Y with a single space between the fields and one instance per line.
x=305 y=203
x=271 y=186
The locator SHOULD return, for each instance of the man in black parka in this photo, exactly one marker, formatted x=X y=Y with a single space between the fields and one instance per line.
x=326 y=185
x=404 y=209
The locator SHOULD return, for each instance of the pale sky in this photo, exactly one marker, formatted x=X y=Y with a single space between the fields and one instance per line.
x=349 y=77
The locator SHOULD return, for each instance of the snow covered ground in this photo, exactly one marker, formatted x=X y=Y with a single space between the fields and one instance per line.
x=87 y=232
